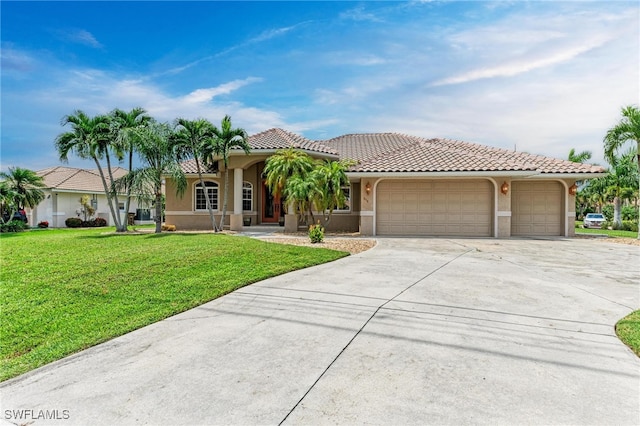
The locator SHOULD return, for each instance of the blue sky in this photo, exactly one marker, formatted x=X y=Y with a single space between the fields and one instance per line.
x=543 y=77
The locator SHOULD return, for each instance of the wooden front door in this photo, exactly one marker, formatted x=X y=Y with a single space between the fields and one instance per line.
x=271 y=207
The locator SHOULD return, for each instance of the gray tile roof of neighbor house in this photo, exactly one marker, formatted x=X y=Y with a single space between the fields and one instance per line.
x=73 y=179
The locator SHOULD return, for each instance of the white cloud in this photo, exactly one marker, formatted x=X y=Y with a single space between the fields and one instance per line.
x=359 y=14
x=264 y=36
x=15 y=60
x=525 y=65
x=80 y=36
x=206 y=95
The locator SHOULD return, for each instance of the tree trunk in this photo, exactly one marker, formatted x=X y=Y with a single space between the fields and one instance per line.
x=127 y=202
x=206 y=197
x=120 y=227
x=224 y=201
x=158 y=214
x=638 y=204
x=617 y=218
x=107 y=192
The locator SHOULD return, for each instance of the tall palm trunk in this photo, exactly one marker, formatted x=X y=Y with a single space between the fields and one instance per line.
x=119 y=223
x=206 y=197
x=224 y=200
x=127 y=202
x=637 y=203
x=617 y=216
x=106 y=189
x=158 y=214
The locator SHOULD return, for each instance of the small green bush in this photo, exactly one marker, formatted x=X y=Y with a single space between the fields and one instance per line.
x=629 y=225
x=629 y=213
x=607 y=211
x=73 y=222
x=13 y=226
x=316 y=233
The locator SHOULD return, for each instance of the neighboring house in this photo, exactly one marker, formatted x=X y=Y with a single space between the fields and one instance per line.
x=64 y=186
x=401 y=185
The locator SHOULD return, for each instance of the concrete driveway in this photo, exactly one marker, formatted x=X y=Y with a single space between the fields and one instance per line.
x=414 y=331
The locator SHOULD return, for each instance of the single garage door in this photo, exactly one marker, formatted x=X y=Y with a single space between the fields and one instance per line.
x=536 y=209
x=434 y=207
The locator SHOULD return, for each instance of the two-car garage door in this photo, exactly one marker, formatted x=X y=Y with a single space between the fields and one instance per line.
x=434 y=207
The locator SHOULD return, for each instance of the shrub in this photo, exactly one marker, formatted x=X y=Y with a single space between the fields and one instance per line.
x=316 y=233
x=629 y=225
x=607 y=211
x=73 y=222
x=629 y=213
x=98 y=221
x=13 y=226
x=170 y=228
x=43 y=224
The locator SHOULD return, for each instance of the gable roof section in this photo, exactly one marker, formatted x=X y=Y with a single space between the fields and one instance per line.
x=394 y=152
x=281 y=139
x=72 y=179
x=190 y=167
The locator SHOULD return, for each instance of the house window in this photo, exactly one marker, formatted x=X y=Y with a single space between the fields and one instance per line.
x=121 y=207
x=212 y=191
x=94 y=202
x=247 y=196
x=346 y=190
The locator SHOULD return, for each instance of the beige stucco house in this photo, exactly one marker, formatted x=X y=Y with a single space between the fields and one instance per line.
x=401 y=185
x=64 y=186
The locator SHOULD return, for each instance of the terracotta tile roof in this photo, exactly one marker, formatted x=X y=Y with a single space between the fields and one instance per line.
x=190 y=167
x=394 y=152
x=72 y=179
x=361 y=147
x=281 y=139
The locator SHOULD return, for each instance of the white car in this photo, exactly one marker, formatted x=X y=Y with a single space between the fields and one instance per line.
x=593 y=220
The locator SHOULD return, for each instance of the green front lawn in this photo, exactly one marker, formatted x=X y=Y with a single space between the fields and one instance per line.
x=66 y=290
x=628 y=330
x=608 y=232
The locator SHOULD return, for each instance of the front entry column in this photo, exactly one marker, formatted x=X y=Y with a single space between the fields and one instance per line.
x=236 y=218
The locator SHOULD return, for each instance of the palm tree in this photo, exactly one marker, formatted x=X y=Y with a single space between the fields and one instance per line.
x=301 y=191
x=7 y=198
x=308 y=184
x=157 y=151
x=579 y=158
x=627 y=130
x=284 y=164
x=189 y=137
x=123 y=123
x=621 y=181
x=89 y=139
x=331 y=177
x=21 y=188
x=281 y=167
x=225 y=139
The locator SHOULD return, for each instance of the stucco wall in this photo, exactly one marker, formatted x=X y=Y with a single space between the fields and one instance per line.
x=58 y=206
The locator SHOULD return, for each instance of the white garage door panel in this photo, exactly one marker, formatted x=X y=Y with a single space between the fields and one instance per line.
x=536 y=209
x=423 y=207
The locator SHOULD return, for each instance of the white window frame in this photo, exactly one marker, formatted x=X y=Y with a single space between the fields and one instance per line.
x=214 y=187
x=247 y=186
